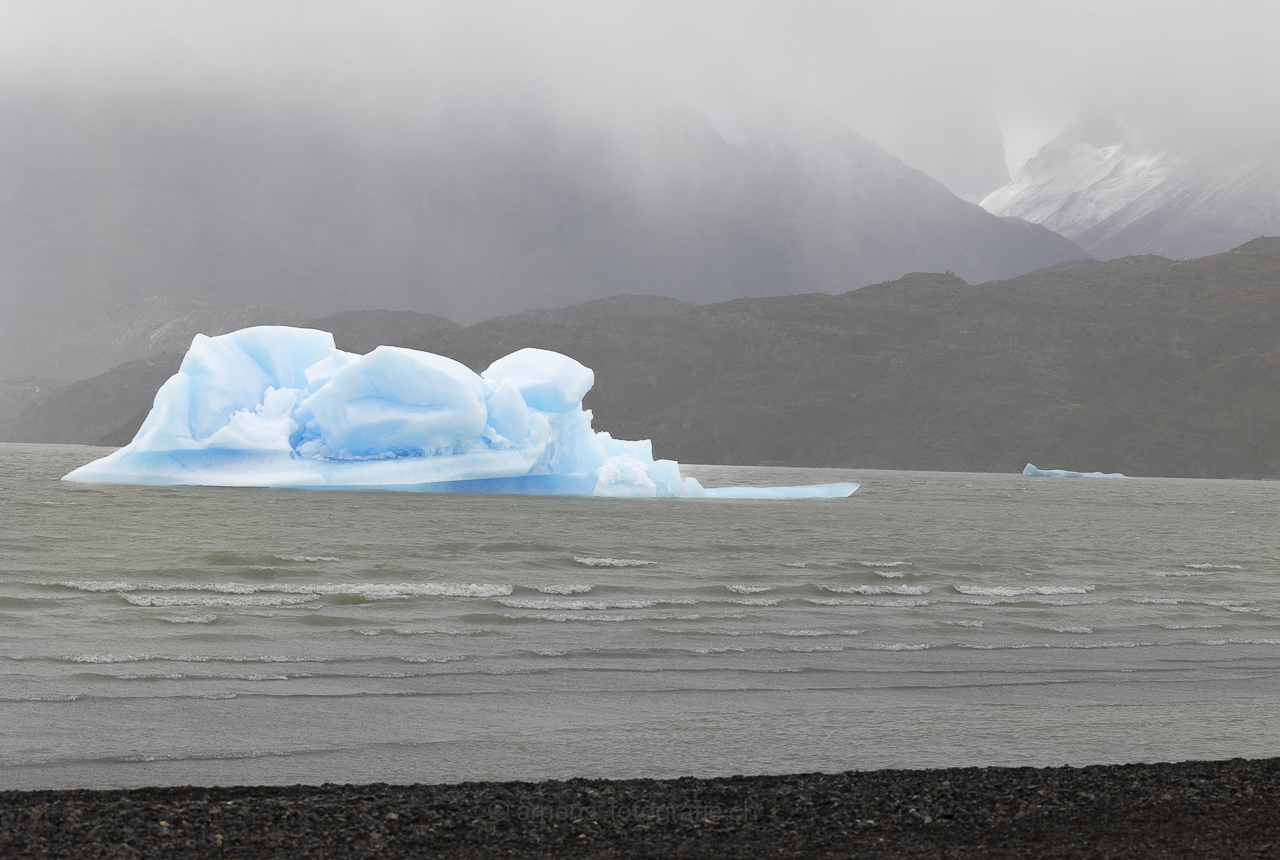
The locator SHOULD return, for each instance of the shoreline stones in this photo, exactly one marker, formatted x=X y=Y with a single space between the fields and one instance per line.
x=1187 y=809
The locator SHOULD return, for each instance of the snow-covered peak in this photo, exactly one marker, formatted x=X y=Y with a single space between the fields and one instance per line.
x=1117 y=192
x=1072 y=184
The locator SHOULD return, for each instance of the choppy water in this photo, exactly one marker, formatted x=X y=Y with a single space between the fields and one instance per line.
x=199 y=635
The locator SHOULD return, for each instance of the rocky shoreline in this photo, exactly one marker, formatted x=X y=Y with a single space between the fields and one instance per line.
x=1188 y=809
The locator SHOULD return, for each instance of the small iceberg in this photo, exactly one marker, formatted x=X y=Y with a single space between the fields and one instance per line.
x=1032 y=472
x=276 y=406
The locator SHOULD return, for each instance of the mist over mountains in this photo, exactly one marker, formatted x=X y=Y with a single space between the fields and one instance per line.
x=1120 y=189
x=179 y=179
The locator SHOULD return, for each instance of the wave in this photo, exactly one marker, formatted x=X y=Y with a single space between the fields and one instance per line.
x=1240 y=642
x=111 y=657
x=814 y=632
x=578 y=604
x=884 y=563
x=562 y=618
x=1080 y=646
x=206 y=600
x=611 y=562
x=750 y=589
x=564 y=589
x=908 y=590
x=847 y=601
x=807 y=649
x=136 y=658
x=1012 y=591
x=1214 y=566
x=373 y=590
x=307 y=558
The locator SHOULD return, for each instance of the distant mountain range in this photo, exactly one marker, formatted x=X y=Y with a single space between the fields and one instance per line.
x=150 y=337
x=1116 y=192
x=1141 y=365
x=180 y=179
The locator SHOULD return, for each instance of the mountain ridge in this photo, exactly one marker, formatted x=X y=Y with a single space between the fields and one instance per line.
x=1142 y=365
x=1118 y=192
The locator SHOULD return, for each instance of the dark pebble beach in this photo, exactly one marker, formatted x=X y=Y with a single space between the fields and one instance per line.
x=1190 y=809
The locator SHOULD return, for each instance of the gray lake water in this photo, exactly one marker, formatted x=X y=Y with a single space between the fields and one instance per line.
x=154 y=635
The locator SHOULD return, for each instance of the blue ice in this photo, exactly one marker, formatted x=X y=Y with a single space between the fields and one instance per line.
x=275 y=406
x=1032 y=472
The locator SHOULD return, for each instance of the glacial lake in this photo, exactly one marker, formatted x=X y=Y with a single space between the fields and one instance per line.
x=155 y=635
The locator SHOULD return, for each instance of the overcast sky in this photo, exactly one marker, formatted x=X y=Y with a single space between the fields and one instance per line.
x=898 y=72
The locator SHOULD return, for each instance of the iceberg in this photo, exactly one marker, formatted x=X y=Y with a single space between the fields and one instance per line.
x=276 y=406
x=1032 y=472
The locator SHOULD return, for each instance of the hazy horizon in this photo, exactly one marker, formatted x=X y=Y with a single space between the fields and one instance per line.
x=478 y=159
x=941 y=87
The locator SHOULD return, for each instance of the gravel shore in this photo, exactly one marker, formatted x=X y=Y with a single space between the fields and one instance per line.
x=1189 y=809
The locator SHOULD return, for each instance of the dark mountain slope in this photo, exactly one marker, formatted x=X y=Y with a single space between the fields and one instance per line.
x=1140 y=365
x=106 y=409
x=87 y=345
x=362 y=331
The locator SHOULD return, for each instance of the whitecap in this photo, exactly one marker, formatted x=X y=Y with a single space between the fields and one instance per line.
x=204 y=600
x=884 y=563
x=1016 y=591
x=381 y=591
x=750 y=589
x=135 y=658
x=612 y=562
x=564 y=589
x=1240 y=642
x=848 y=601
x=908 y=590
x=100 y=587
x=900 y=646
x=544 y=603
x=806 y=649
x=558 y=618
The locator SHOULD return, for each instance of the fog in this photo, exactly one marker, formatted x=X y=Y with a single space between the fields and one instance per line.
x=282 y=151
x=938 y=84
